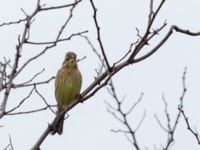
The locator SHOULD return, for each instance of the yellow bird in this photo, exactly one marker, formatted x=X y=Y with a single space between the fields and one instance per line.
x=68 y=83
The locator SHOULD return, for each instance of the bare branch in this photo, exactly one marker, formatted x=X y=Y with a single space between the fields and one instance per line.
x=156 y=31
x=61 y=6
x=141 y=121
x=167 y=114
x=166 y=37
x=102 y=65
x=124 y=115
x=115 y=116
x=34 y=76
x=21 y=102
x=144 y=39
x=160 y=124
x=128 y=52
x=92 y=46
x=1 y=76
x=135 y=104
x=52 y=45
x=80 y=59
x=171 y=128
x=196 y=135
x=12 y=22
x=185 y=31
x=31 y=111
x=10 y=145
x=181 y=111
x=22 y=85
x=99 y=35
x=93 y=91
x=9 y=85
x=13 y=73
x=59 y=40
x=119 y=130
x=42 y=97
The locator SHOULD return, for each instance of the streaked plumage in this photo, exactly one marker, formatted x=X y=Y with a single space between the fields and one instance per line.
x=67 y=85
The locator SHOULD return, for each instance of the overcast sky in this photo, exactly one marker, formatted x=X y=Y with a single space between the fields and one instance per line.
x=89 y=124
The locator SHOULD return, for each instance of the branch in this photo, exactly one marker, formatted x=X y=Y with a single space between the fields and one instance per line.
x=10 y=145
x=30 y=80
x=144 y=39
x=123 y=116
x=13 y=22
x=166 y=37
x=1 y=76
x=61 y=6
x=59 y=40
x=9 y=85
x=52 y=45
x=99 y=35
x=22 y=85
x=135 y=104
x=171 y=128
x=31 y=111
x=42 y=97
x=196 y=135
x=16 y=60
x=21 y=102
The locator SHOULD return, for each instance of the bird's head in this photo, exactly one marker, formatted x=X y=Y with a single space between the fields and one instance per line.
x=70 y=60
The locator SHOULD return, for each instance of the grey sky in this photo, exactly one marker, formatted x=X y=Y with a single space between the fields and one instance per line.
x=89 y=124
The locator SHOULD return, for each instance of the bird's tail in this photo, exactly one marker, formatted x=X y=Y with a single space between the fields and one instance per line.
x=57 y=127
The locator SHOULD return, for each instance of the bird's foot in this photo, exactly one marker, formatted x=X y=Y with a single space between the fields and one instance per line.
x=80 y=98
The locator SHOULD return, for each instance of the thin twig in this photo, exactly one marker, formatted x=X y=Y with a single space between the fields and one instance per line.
x=135 y=104
x=124 y=115
x=61 y=6
x=144 y=38
x=31 y=111
x=21 y=102
x=59 y=40
x=22 y=85
x=167 y=114
x=12 y=22
x=196 y=135
x=42 y=97
x=34 y=76
x=99 y=35
x=160 y=124
x=172 y=128
x=11 y=144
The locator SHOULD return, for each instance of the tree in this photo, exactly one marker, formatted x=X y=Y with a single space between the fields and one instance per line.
x=17 y=75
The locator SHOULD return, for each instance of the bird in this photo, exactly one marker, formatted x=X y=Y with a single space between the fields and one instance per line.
x=68 y=82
